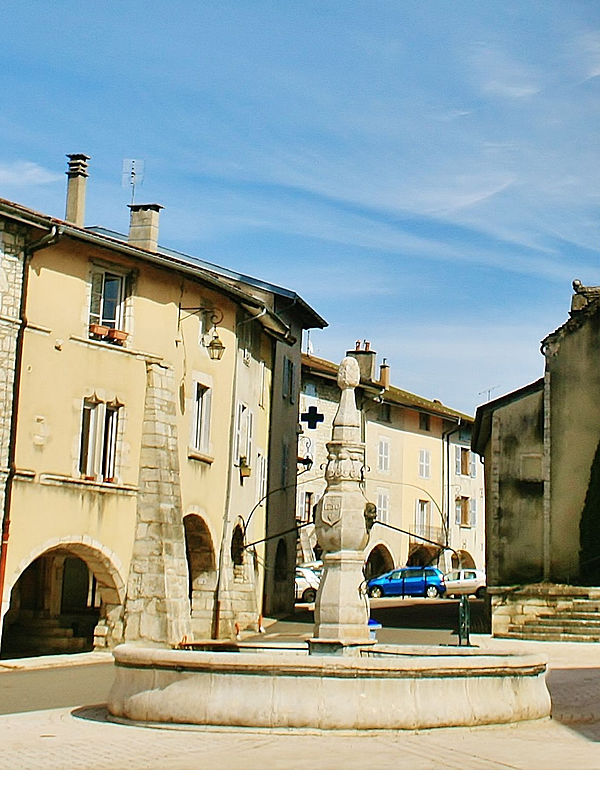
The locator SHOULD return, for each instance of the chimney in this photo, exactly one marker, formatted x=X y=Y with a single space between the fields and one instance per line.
x=384 y=374
x=143 y=226
x=366 y=361
x=77 y=173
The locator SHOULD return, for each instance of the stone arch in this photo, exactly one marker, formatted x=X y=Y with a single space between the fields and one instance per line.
x=466 y=560
x=380 y=560
x=423 y=555
x=202 y=573
x=50 y=611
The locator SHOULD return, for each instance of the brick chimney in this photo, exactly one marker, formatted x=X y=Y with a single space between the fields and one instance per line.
x=143 y=226
x=384 y=374
x=366 y=358
x=77 y=173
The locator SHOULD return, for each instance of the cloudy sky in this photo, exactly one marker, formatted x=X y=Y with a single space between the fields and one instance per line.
x=425 y=174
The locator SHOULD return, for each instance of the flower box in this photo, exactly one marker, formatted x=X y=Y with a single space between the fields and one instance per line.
x=98 y=330
x=120 y=336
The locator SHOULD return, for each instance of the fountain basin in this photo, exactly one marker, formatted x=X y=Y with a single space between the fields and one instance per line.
x=387 y=687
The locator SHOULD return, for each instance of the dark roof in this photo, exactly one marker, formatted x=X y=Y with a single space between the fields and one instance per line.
x=206 y=272
x=310 y=317
x=393 y=395
x=483 y=416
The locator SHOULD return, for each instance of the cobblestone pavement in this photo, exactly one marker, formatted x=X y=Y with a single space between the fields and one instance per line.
x=64 y=738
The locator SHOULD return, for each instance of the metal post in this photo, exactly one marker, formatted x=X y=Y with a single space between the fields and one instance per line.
x=464 y=621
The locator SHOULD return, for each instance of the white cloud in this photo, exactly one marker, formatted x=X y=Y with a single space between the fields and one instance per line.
x=26 y=174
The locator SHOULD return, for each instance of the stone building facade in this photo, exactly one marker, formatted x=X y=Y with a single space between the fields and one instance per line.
x=539 y=444
x=144 y=434
x=419 y=470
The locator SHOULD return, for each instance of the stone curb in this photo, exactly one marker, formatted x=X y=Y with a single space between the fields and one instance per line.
x=55 y=661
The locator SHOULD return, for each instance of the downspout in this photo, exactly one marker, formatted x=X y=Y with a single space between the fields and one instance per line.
x=49 y=239
x=446 y=474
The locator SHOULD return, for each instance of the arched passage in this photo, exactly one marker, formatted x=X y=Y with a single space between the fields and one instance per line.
x=202 y=570
x=466 y=560
x=379 y=561
x=423 y=555
x=64 y=599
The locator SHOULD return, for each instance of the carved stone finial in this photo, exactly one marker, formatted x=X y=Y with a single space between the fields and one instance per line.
x=348 y=374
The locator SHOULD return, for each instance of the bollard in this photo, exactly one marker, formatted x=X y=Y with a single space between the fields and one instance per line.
x=464 y=621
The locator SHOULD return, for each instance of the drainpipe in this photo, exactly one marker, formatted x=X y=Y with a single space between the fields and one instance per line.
x=49 y=239
x=446 y=475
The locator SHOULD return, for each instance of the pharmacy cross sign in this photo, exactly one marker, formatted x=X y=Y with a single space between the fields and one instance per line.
x=312 y=417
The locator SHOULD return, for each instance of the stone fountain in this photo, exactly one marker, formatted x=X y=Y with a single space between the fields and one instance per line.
x=342 y=679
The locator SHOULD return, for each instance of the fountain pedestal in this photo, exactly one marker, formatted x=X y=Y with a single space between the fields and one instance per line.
x=342 y=608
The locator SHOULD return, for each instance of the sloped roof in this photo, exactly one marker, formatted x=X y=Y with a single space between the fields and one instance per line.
x=209 y=273
x=393 y=394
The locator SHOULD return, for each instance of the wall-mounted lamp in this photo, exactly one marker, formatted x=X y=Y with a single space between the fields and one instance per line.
x=215 y=346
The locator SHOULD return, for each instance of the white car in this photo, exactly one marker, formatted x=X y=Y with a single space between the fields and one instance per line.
x=466 y=581
x=307 y=584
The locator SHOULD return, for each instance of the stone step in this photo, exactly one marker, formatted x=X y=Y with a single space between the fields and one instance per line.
x=566 y=623
x=33 y=646
x=560 y=637
x=538 y=628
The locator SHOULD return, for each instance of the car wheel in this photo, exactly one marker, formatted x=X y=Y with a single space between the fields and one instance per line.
x=375 y=592
x=308 y=596
x=431 y=591
x=480 y=592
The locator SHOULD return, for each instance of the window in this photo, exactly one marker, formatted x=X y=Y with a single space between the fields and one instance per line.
x=424 y=422
x=383 y=455
x=307 y=514
x=288 y=380
x=465 y=461
x=201 y=418
x=462 y=512
x=243 y=434
x=98 y=441
x=107 y=299
x=383 y=505
x=422 y=518
x=310 y=389
x=424 y=464
x=261 y=481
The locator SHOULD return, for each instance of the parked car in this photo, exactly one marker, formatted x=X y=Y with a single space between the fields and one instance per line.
x=316 y=567
x=425 y=581
x=307 y=584
x=466 y=581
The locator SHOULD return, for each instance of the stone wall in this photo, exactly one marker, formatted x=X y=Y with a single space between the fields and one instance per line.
x=157 y=607
x=12 y=239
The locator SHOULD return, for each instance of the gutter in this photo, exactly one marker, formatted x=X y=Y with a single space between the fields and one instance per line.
x=49 y=239
x=446 y=434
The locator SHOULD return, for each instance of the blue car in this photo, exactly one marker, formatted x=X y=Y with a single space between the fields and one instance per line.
x=424 y=581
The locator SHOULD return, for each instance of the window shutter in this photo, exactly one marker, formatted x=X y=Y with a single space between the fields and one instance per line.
x=473 y=465
x=96 y=297
x=457 y=460
x=473 y=512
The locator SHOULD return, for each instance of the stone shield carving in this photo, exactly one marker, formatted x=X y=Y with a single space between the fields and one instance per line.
x=331 y=510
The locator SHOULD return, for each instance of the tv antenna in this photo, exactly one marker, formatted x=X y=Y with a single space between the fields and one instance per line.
x=133 y=174
x=488 y=392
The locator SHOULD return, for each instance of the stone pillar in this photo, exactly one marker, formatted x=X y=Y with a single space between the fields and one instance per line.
x=157 y=607
x=341 y=608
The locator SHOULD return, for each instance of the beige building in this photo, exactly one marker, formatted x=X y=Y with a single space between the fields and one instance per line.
x=542 y=459
x=139 y=388
x=420 y=471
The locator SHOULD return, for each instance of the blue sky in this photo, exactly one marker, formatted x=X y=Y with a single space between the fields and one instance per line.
x=425 y=174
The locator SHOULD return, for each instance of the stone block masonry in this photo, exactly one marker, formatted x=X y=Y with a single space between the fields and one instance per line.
x=157 y=607
x=12 y=254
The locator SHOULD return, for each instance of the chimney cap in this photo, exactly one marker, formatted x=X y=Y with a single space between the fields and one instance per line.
x=77 y=164
x=140 y=207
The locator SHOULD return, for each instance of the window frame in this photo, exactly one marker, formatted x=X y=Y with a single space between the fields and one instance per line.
x=99 y=432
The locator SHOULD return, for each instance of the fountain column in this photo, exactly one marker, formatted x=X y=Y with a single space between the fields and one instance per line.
x=341 y=608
